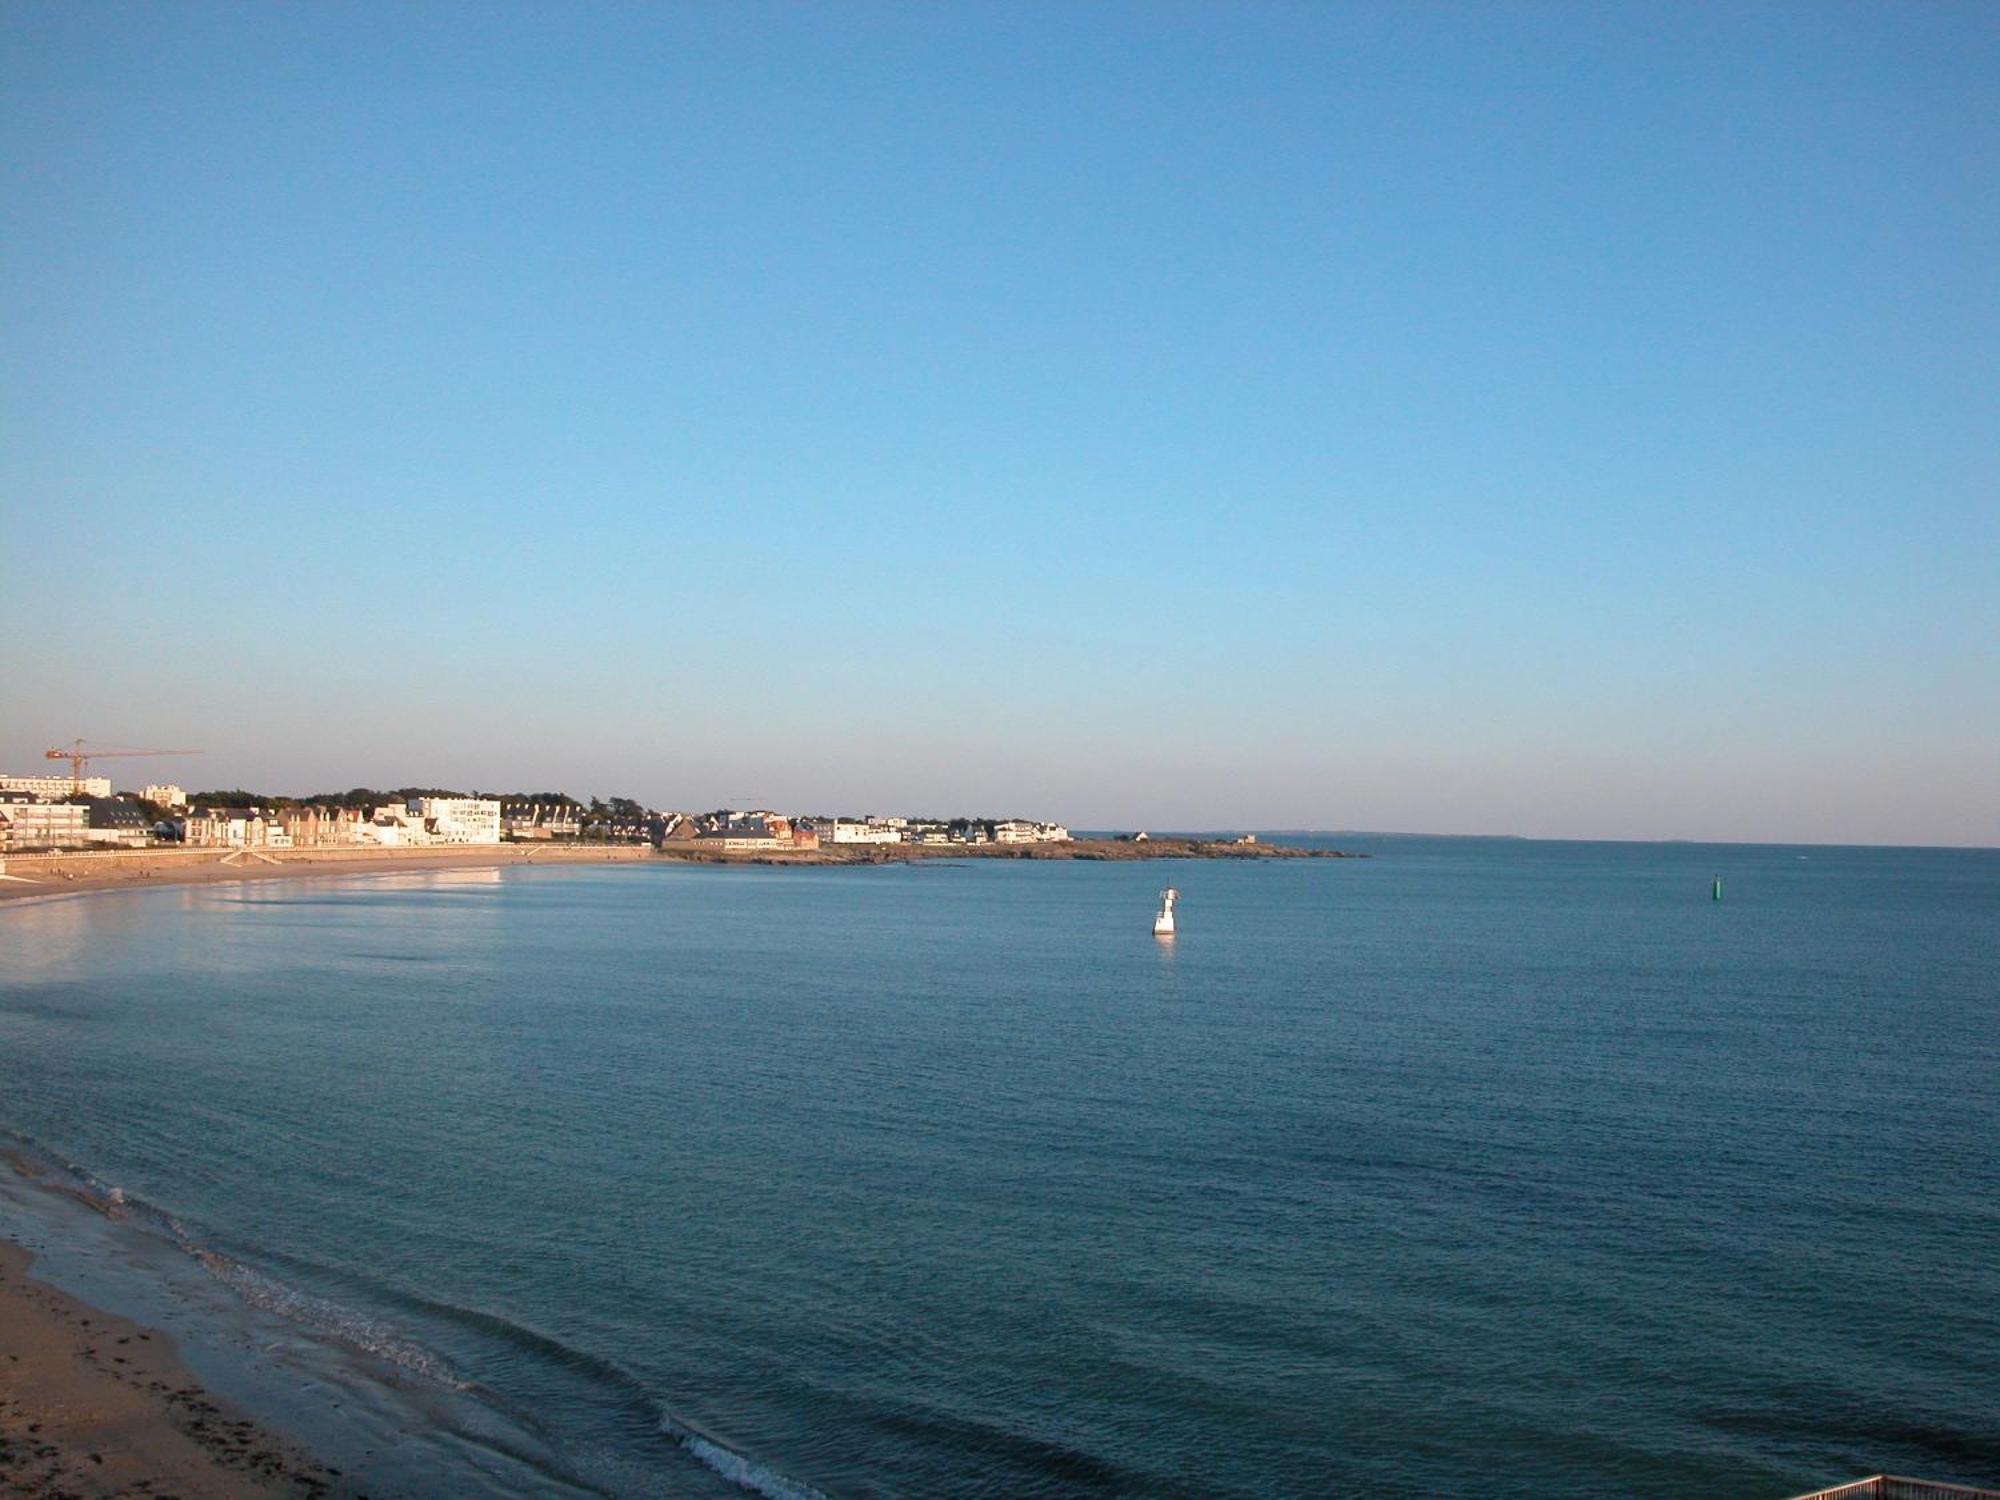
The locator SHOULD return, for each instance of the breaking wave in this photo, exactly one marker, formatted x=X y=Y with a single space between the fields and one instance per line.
x=737 y=1468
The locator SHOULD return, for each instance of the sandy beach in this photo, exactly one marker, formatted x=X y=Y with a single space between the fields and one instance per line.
x=41 y=876
x=94 y=1405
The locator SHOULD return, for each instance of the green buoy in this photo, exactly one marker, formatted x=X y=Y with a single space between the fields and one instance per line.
x=1718 y=887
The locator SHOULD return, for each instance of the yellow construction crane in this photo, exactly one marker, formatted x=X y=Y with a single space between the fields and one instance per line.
x=78 y=758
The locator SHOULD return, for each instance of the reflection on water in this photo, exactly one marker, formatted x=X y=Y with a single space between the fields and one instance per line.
x=269 y=926
x=39 y=935
x=330 y=889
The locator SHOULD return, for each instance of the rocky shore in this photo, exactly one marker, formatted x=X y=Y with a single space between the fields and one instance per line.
x=1084 y=849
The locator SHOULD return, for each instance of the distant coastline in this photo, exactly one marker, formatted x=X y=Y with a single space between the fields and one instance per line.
x=44 y=876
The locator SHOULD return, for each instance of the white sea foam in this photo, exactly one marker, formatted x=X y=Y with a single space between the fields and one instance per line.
x=736 y=1468
x=355 y=1329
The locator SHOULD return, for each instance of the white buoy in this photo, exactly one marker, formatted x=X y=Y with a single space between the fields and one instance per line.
x=1163 y=924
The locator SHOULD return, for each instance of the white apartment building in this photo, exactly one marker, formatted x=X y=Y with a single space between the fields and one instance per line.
x=460 y=820
x=166 y=794
x=395 y=827
x=26 y=824
x=1021 y=831
x=834 y=831
x=235 y=828
x=55 y=788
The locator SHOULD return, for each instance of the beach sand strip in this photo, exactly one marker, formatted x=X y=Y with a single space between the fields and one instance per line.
x=93 y=1405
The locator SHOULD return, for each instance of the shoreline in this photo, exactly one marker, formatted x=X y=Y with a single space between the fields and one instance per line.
x=92 y=1404
x=55 y=876
x=137 y=1360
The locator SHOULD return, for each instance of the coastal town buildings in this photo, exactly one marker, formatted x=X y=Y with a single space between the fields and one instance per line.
x=755 y=833
x=871 y=831
x=55 y=788
x=423 y=821
x=416 y=818
x=419 y=822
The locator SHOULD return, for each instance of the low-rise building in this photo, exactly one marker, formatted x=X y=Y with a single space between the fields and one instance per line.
x=234 y=828
x=315 y=827
x=626 y=827
x=27 y=824
x=541 y=820
x=117 y=824
x=165 y=794
x=747 y=835
x=873 y=831
x=460 y=820
x=396 y=825
x=1022 y=831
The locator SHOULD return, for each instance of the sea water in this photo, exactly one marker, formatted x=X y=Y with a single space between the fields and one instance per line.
x=1471 y=1168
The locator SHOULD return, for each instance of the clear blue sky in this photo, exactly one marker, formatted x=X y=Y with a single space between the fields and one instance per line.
x=1552 y=419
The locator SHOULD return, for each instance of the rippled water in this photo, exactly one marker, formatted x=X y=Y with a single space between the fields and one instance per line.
x=1475 y=1167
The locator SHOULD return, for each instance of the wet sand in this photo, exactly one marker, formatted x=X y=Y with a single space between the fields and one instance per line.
x=94 y=1405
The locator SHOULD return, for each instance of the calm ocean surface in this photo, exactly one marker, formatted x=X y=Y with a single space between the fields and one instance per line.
x=1475 y=1168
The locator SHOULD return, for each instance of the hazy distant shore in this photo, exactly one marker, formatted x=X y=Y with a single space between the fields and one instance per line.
x=48 y=875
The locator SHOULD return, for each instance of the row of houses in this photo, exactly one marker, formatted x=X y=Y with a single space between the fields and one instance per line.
x=766 y=830
x=30 y=819
x=934 y=831
x=420 y=822
x=28 y=824
x=730 y=832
